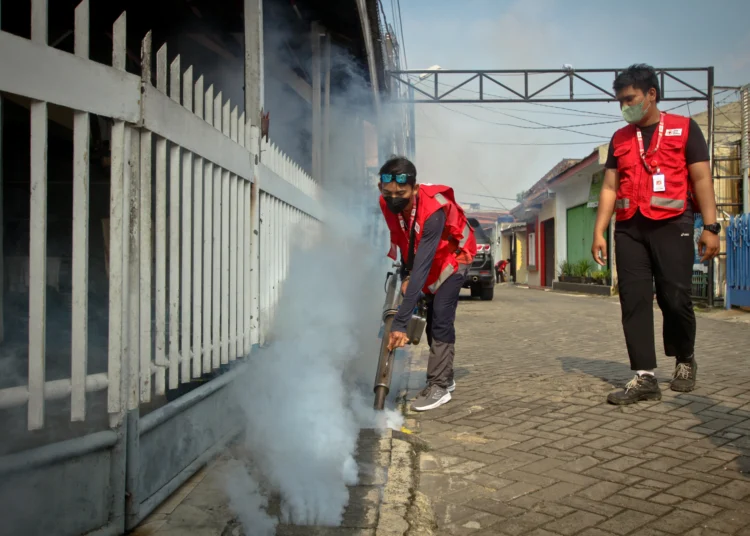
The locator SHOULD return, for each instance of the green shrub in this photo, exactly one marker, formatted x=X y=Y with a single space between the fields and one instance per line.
x=601 y=276
x=566 y=268
x=582 y=268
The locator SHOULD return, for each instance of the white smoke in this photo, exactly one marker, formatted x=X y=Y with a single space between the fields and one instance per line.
x=247 y=501
x=301 y=398
x=306 y=397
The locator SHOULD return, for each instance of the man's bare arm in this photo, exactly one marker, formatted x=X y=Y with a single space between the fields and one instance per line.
x=607 y=199
x=703 y=188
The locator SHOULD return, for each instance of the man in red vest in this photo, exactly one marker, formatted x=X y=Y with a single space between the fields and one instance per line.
x=437 y=247
x=500 y=269
x=657 y=174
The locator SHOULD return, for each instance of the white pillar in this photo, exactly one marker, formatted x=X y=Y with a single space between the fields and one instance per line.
x=317 y=118
x=561 y=230
x=254 y=80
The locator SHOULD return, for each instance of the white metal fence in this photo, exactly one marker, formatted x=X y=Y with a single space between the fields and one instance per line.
x=188 y=292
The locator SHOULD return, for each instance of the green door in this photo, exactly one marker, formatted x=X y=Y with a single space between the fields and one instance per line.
x=580 y=221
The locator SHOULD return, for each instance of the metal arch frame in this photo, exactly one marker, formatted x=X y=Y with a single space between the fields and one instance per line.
x=484 y=75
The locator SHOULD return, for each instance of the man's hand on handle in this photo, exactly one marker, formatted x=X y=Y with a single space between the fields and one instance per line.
x=599 y=250
x=397 y=339
x=708 y=245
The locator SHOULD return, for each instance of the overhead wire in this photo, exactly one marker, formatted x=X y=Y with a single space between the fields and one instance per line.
x=493 y=196
x=541 y=126
x=516 y=144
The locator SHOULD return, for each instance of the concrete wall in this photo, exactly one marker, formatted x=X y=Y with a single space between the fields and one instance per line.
x=535 y=274
x=522 y=273
x=505 y=242
x=548 y=210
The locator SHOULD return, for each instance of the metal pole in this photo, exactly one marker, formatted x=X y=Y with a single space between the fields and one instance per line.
x=745 y=148
x=370 y=51
x=412 y=126
x=712 y=262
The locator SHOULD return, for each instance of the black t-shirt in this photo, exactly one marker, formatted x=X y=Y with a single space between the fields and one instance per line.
x=696 y=149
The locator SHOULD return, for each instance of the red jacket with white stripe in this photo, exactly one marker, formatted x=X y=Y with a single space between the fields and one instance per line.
x=456 y=244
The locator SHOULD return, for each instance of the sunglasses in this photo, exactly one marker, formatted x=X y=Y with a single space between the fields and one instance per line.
x=389 y=177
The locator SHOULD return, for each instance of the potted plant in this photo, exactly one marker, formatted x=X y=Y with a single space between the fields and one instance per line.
x=601 y=277
x=580 y=272
x=566 y=270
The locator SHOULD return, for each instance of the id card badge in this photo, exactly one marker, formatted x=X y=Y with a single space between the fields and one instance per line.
x=660 y=184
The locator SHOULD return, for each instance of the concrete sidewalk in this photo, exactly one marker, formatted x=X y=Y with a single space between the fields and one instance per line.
x=528 y=444
x=382 y=504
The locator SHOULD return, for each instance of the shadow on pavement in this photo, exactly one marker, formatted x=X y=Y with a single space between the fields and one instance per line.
x=713 y=420
x=608 y=371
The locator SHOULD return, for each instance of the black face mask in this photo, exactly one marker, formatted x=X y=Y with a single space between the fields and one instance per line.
x=396 y=204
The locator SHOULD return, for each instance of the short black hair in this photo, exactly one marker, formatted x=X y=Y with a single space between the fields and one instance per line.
x=400 y=164
x=640 y=76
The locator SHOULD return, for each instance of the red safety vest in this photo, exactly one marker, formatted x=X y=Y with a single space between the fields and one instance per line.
x=457 y=240
x=656 y=199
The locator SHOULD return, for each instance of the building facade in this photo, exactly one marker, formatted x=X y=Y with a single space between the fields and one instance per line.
x=537 y=211
x=576 y=201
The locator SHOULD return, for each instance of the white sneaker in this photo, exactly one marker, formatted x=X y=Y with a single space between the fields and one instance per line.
x=452 y=386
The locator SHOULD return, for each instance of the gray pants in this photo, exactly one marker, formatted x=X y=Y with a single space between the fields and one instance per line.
x=441 y=331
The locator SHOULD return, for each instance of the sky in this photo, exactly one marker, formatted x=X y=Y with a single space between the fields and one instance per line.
x=468 y=146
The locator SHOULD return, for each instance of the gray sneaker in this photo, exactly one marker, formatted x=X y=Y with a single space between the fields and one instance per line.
x=431 y=397
x=644 y=387
x=683 y=380
x=452 y=386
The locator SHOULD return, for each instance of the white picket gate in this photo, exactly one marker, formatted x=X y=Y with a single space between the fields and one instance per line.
x=197 y=271
x=194 y=276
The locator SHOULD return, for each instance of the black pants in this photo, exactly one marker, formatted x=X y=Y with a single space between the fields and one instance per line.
x=441 y=331
x=441 y=309
x=659 y=252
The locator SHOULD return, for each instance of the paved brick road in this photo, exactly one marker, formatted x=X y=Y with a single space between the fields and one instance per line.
x=528 y=444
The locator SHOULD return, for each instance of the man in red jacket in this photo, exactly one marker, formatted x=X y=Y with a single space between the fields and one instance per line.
x=657 y=174
x=437 y=247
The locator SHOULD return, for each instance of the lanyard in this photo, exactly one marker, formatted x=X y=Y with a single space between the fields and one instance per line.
x=410 y=234
x=643 y=153
x=412 y=218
